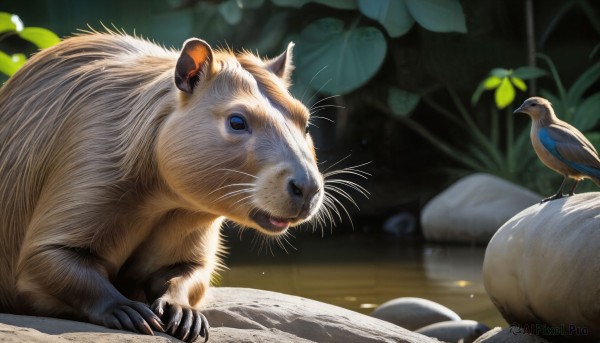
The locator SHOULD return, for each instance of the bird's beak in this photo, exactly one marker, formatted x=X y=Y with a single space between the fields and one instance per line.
x=519 y=110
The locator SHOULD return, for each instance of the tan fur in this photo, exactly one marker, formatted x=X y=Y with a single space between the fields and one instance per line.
x=113 y=180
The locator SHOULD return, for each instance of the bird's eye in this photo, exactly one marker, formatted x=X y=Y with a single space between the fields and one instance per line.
x=237 y=122
x=533 y=104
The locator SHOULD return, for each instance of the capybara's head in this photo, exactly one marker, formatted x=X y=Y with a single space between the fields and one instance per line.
x=237 y=144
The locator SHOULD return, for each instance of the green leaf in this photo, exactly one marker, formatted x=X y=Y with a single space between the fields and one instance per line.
x=438 y=15
x=41 y=37
x=594 y=138
x=231 y=12
x=491 y=82
x=519 y=83
x=401 y=102
x=273 y=33
x=9 y=64
x=250 y=4
x=10 y=22
x=500 y=72
x=19 y=59
x=333 y=60
x=528 y=73
x=290 y=3
x=583 y=82
x=339 y=4
x=392 y=14
x=505 y=94
x=587 y=113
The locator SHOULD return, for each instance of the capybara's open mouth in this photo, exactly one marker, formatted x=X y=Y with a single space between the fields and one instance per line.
x=275 y=225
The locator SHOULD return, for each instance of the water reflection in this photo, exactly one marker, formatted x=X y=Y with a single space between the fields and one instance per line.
x=360 y=272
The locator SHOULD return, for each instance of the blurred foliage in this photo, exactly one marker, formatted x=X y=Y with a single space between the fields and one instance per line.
x=11 y=25
x=397 y=76
x=504 y=82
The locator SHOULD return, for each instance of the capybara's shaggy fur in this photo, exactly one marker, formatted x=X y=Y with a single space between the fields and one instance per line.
x=120 y=159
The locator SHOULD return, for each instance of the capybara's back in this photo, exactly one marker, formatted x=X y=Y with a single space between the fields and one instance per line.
x=118 y=162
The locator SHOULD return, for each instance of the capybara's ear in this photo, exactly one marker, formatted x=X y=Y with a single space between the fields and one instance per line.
x=195 y=59
x=282 y=65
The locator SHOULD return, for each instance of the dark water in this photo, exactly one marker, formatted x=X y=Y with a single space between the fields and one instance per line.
x=360 y=272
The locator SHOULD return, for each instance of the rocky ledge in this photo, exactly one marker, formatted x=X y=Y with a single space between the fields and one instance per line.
x=235 y=315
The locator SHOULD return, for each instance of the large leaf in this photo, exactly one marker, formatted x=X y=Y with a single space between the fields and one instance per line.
x=231 y=12
x=333 y=60
x=438 y=15
x=41 y=37
x=587 y=113
x=339 y=4
x=401 y=102
x=500 y=72
x=249 y=4
x=272 y=33
x=518 y=82
x=10 y=64
x=10 y=22
x=505 y=94
x=527 y=73
x=392 y=14
x=583 y=82
x=491 y=82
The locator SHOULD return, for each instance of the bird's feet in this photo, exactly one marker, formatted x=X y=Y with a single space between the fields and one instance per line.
x=554 y=197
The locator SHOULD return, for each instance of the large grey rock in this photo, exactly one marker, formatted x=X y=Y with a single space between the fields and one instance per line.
x=462 y=331
x=413 y=313
x=473 y=208
x=543 y=266
x=236 y=315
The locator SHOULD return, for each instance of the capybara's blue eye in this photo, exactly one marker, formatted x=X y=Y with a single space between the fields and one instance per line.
x=237 y=122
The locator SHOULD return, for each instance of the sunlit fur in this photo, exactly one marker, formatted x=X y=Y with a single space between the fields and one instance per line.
x=114 y=183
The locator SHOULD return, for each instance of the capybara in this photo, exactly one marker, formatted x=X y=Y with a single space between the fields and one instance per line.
x=119 y=161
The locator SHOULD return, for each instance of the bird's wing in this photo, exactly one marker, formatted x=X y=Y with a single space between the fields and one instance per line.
x=571 y=147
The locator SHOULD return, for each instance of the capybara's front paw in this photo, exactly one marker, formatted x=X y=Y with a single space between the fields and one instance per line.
x=133 y=316
x=182 y=322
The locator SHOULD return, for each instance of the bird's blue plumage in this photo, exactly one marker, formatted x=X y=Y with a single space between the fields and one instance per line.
x=551 y=145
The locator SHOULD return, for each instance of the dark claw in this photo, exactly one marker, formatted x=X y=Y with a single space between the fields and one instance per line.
x=199 y=327
x=137 y=321
x=185 y=325
x=159 y=307
x=124 y=320
x=174 y=315
x=148 y=317
x=132 y=316
x=182 y=322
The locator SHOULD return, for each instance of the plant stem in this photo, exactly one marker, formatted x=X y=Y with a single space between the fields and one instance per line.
x=431 y=138
x=510 y=137
x=479 y=136
x=531 y=44
x=556 y=77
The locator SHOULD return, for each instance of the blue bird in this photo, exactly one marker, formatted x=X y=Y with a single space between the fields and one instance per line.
x=560 y=146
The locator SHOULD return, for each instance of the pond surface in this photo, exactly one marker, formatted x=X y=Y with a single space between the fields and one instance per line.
x=360 y=272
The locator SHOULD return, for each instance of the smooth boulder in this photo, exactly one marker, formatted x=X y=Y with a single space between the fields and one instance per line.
x=462 y=331
x=542 y=267
x=413 y=313
x=235 y=315
x=472 y=209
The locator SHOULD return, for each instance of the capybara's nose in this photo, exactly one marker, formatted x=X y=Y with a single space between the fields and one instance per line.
x=303 y=190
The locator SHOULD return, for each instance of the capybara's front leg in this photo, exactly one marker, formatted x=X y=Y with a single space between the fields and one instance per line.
x=76 y=282
x=177 y=290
